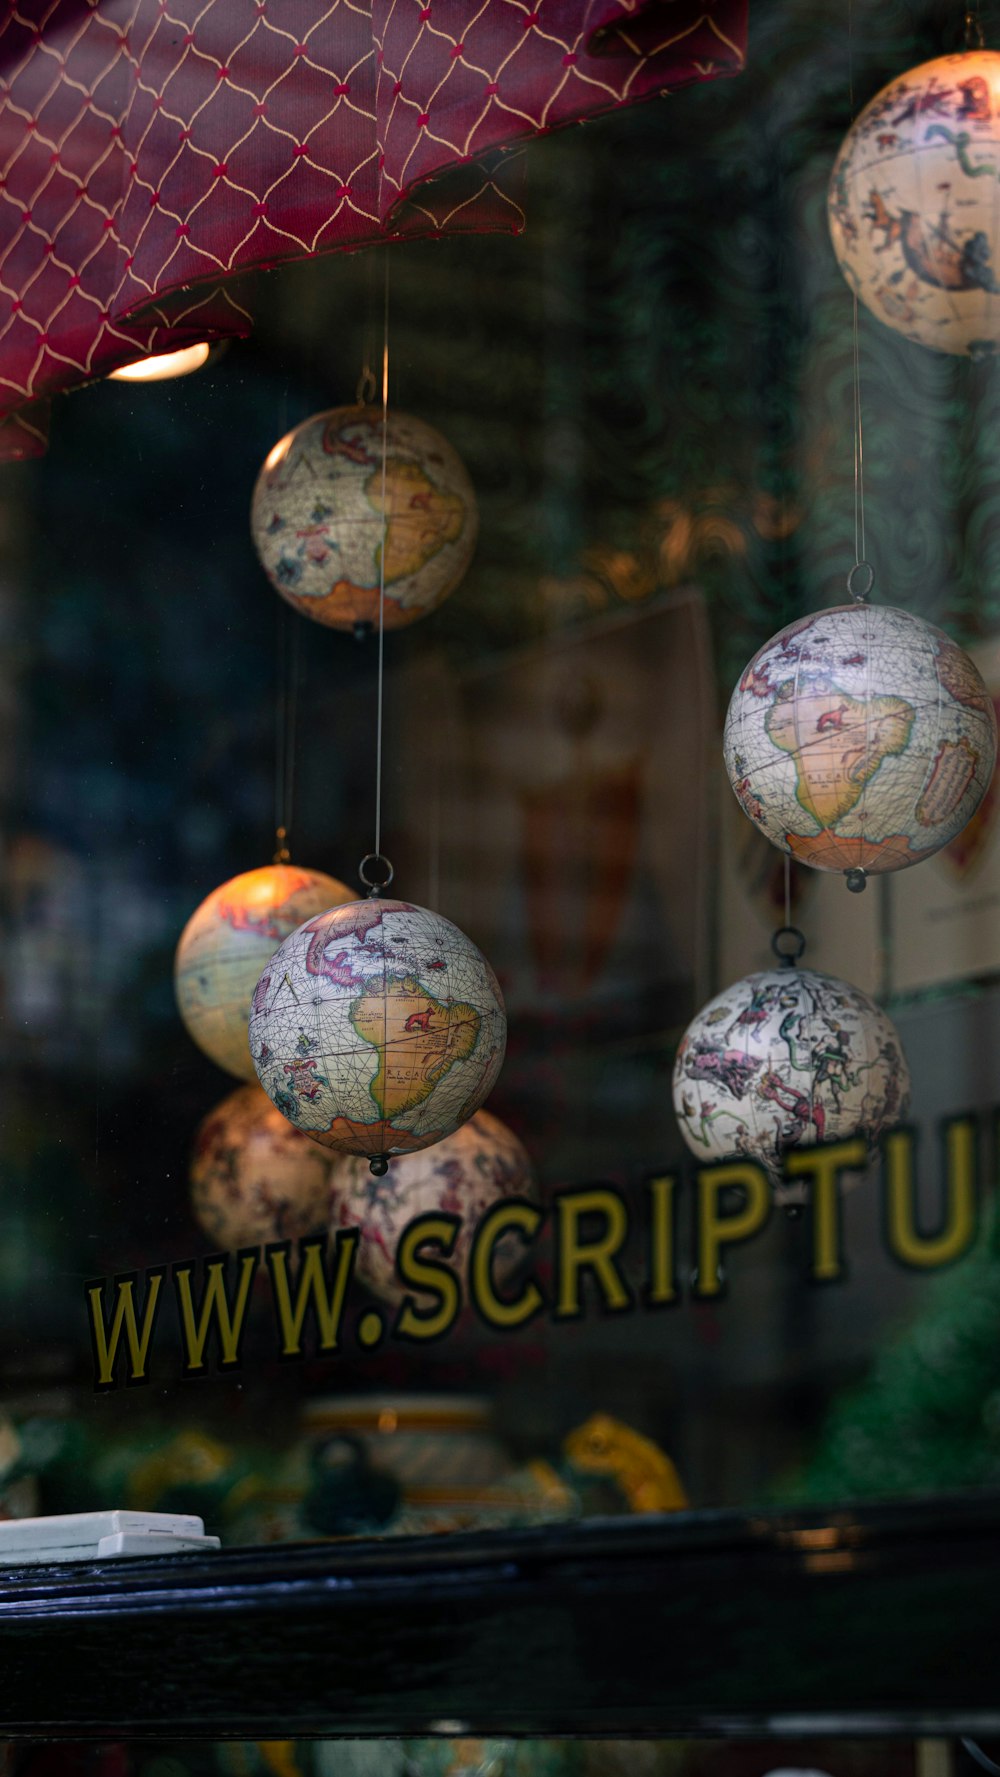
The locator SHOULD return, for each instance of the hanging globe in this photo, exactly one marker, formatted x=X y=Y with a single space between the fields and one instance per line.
x=318 y=516
x=913 y=204
x=253 y=1177
x=377 y=1028
x=464 y=1175
x=860 y=739
x=226 y=943
x=784 y=1059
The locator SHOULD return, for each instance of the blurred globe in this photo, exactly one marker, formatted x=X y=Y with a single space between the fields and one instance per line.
x=227 y=942
x=860 y=739
x=253 y=1177
x=465 y=1175
x=378 y=1028
x=450 y=1756
x=318 y=516
x=784 y=1059
x=912 y=206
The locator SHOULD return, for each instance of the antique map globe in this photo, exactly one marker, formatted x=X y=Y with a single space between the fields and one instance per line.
x=318 y=516
x=225 y=945
x=464 y=1175
x=377 y=1028
x=787 y=1058
x=913 y=204
x=860 y=739
x=253 y=1177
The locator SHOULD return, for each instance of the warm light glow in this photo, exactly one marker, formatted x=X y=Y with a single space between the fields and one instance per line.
x=277 y=451
x=163 y=365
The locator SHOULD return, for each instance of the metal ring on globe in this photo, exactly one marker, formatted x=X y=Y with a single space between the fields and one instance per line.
x=789 y=953
x=375 y=883
x=860 y=581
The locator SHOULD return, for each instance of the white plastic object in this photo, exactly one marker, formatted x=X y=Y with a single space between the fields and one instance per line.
x=98 y=1536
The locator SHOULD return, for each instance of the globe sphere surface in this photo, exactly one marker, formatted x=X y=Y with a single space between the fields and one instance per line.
x=318 y=514
x=377 y=1028
x=226 y=943
x=787 y=1058
x=913 y=209
x=860 y=738
x=253 y=1177
x=477 y=1166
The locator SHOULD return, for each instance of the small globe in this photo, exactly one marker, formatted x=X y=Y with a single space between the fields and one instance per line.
x=377 y=1028
x=225 y=945
x=318 y=513
x=860 y=739
x=464 y=1175
x=253 y=1177
x=912 y=205
x=784 y=1059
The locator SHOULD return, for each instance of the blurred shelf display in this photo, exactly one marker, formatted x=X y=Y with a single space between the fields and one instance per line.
x=849 y=1622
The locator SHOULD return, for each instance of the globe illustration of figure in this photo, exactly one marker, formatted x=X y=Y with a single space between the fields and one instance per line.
x=254 y=1178
x=912 y=205
x=787 y=1058
x=377 y=1028
x=860 y=739
x=319 y=512
x=225 y=945
x=479 y=1165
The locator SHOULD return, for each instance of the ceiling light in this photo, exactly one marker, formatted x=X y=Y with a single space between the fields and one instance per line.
x=163 y=365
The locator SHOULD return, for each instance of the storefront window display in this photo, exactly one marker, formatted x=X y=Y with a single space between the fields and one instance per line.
x=566 y=1310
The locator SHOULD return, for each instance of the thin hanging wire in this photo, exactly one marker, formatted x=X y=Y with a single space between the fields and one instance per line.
x=974 y=35
x=787 y=942
x=286 y=716
x=859 y=453
x=381 y=567
x=862 y=576
x=367 y=384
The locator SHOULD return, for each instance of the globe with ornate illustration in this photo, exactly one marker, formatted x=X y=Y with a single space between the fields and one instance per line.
x=377 y=1028
x=324 y=499
x=253 y=1177
x=226 y=943
x=784 y=1059
x=860 y=739
x=913 y=204
x=465 y=1175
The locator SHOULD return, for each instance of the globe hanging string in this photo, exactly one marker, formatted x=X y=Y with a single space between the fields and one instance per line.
x=285 y=722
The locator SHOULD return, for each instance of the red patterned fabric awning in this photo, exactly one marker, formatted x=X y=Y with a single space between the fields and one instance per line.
x=151 y=150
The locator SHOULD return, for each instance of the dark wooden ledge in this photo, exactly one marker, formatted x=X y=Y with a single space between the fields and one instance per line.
x=879 y=1619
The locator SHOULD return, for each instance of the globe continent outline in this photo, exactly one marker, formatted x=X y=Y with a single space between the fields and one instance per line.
x=377 y=1028
x=860 y=737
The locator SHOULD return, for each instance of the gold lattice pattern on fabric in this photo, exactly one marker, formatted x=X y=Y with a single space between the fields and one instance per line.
x=150 y=150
